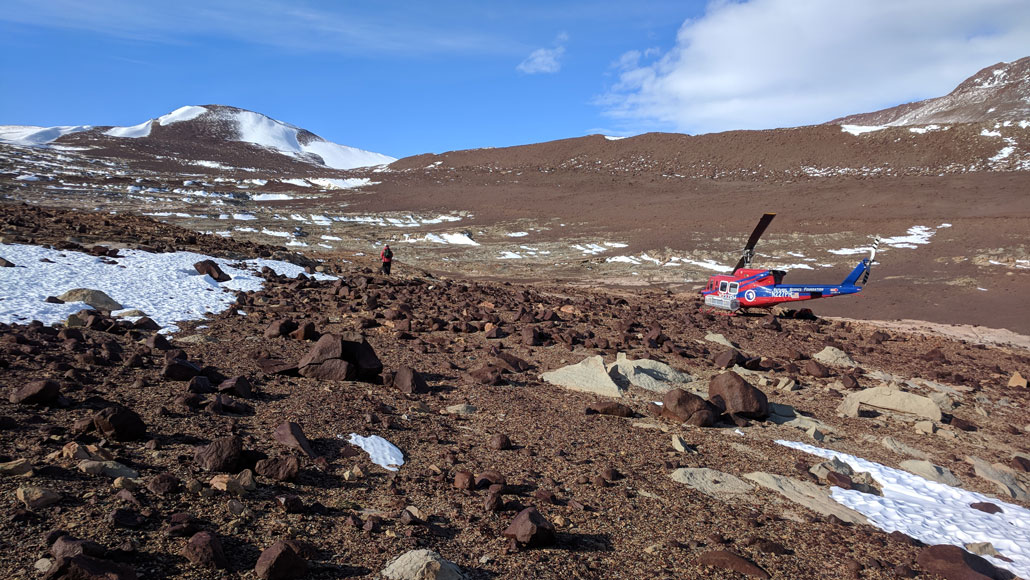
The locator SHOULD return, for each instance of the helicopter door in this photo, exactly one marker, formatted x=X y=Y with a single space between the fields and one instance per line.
x=724 y=287
x=733 y=288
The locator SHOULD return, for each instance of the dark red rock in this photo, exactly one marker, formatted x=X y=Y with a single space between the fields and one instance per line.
x=728 y=359
x=163 y=484
x=730 y=561
x=490 y=477
x=125 y=518
x=157 y=342
x=814 y=368
x=180 y=370
x=493 y=502
x=333 y=369
x=279 y=468
x=211 y=268
x=279 y=328
x=409 y=381
x=205 y=550
x=962 y=424
x=732 y=394
x=291 y=435
x=239 y=386
x=609 y=408
x=463 y=480
x=222 y=454
x=500 y=442
x=530 y=529
x=292 y=504
x=120 y=424
x=351 y=347
x=986 y=506
x=65 y=546
x=82 y=567
x=1020 y=464
x=954 y=563
x=281 y=561
x=305 y=332
x=679 y=405
x=37 y=393
x=486 y=375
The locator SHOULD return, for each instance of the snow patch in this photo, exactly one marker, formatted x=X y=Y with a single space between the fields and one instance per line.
x=380 y=451
x=133 y=132
x=859 y=129
x=30 y=135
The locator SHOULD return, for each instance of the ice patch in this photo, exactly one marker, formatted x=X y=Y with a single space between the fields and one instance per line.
x=932 y=512
x=859 y=129
x=271 y=197
x=165 y=285
x=380 y=451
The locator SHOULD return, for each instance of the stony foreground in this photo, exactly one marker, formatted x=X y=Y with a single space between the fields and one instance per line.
x=222 y=451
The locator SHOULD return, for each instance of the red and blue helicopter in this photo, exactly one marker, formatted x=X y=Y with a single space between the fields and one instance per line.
x=747 y=287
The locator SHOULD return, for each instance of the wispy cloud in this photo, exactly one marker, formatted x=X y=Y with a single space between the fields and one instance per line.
x=291 y=25
x=545 y=60
x=774 y=63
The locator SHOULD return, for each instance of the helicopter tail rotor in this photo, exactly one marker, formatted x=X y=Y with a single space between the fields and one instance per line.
x=872 y=258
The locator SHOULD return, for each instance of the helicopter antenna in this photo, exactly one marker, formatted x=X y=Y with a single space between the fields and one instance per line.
x=749 y=249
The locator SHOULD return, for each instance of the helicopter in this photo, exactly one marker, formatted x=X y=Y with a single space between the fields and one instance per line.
x=747 y=287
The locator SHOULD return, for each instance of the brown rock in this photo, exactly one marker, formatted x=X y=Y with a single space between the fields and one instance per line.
x=728 y=359
x=37 y=393
x=530 y=529
x=730 y=561
x=679 y=405
x=212 y=269
x=281 y=561
x=463 y=480
x=815 y=369
x=239 y=386
x=409 y=381
x=732 y=394
x=500 y=442
x=82 y=567
x=120 y=424
x=205 y=550
x=222 y=454
x=609 y=408
x=985 y=506
x=486 y=375
x=954 y=563
x=291 y=435
x=163 y=484
x=279 y=468
x=333 y=369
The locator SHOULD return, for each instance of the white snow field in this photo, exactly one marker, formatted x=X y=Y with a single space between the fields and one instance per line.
x=164 y=286
x=32 y=135
x=932 y=512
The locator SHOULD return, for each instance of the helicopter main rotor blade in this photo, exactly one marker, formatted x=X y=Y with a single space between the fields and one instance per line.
x=745 y=258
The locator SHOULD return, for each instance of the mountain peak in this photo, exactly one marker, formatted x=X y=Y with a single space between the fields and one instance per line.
x=1000 y=92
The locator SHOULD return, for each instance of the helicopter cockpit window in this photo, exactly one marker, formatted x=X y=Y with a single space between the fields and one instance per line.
x=723 y=286
x=733 y=287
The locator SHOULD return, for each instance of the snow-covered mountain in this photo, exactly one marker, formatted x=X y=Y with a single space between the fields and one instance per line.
x=200 y=132
x=997 y=93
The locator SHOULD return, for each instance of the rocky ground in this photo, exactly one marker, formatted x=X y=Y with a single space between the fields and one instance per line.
x=229 y=460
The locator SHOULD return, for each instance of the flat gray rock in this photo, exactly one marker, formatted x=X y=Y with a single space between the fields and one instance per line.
x=834 y=357
x=422 y=565
x=711 y=482
x=903 y=448
x=1001 y=476
x=94 y=298
x=928 y=470
x=589 y=376
x=810 y=495
x=890 y=400
x=647 y=374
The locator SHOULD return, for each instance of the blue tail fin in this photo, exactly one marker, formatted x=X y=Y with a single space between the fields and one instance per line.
x=856 y=273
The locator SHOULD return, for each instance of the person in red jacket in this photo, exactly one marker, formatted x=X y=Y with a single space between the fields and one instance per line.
x=387 y=257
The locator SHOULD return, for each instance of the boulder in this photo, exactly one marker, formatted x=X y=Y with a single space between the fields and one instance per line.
x=733 y=395
x=609 y=408
x=954 y=563
x=36 y=497
x=1001 y=476
x=333 y=369
x=222 y=454
x=37 y=393
x=681 y=406
x=211 y=268
x=291 y=435
x=422 y=565
x=95 y=298
x=281 y=561
x=120 y=423
x=891 y=400
x=589 y=375
x=278 y=468
x=351 y=347
x=83 y=567
x=204 y=549
x=410 y=382
x=530 y=529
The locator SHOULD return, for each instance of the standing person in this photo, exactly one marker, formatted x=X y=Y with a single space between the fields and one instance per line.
x=387 y=257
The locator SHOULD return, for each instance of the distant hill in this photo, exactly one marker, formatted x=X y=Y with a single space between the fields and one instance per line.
x=997 y=93
x=213 y=136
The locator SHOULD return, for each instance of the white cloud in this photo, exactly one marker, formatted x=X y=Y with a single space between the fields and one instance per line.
x=545 y=60
x=777 y=63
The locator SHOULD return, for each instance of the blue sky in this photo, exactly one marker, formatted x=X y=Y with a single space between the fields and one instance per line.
x=412 y=77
